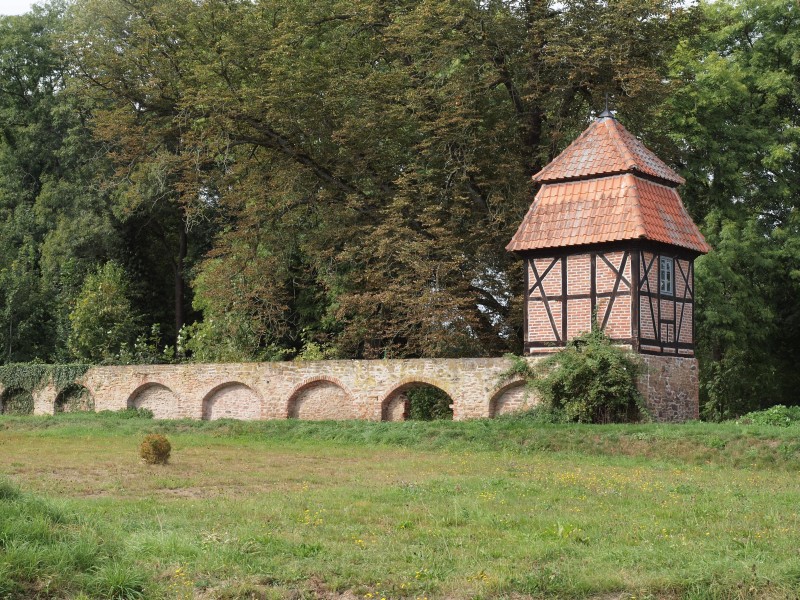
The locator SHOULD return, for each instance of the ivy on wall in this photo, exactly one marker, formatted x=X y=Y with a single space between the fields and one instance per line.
x=74 y=398
x=30 y=377
x=17 y=402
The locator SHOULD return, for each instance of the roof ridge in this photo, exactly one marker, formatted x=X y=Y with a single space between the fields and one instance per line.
x=602 y=148
x=616 y=137
x=632 y=191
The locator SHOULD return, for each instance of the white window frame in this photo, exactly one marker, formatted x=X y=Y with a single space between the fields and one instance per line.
x=666 y=276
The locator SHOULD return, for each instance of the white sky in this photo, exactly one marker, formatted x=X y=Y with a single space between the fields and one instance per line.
x=15 y=7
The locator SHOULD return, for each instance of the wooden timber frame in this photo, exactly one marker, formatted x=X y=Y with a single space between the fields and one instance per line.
x=659 y=324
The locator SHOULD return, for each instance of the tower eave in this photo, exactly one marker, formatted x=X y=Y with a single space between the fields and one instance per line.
x=606 y=209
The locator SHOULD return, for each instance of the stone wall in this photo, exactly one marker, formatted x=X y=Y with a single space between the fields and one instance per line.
x=337 y=389
x=671 y=387
x=345 y=389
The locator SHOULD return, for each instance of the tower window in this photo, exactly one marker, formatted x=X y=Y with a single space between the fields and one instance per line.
x=666 y=275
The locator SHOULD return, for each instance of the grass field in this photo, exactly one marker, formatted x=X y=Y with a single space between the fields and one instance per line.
x=486 y=509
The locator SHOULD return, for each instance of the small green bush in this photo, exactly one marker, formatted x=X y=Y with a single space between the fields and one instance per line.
x=155 y=449
x=777 y=416
x=590 y=381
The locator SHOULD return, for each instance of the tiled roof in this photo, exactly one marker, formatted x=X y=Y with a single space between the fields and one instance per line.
x=606 y=209
x=606 y=147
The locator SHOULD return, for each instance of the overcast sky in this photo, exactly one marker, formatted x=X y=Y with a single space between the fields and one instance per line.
x=15 y=7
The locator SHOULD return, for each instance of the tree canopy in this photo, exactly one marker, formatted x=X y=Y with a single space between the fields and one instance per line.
x=339 y=178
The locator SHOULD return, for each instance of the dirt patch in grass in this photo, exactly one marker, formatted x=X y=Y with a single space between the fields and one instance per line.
x=194 y=471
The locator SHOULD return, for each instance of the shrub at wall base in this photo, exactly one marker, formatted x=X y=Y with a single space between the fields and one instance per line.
x=590 y=381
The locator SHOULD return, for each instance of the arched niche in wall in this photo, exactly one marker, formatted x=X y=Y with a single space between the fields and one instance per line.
x=74 y=398
x=16 y=401
x=232 y=400
x=157 y=398
x=321 y=399
x=513 y=397
x=416 y=400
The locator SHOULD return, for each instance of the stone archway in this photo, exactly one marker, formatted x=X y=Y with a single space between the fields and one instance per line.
x=399 y=403
x=16 y=401
x=155 y=397
x=74 y=398
x=232 y=400
x=321 y=399
x=396 y=407
x=512 y=397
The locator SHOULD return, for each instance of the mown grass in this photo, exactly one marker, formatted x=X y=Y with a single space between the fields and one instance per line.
x=485 y=509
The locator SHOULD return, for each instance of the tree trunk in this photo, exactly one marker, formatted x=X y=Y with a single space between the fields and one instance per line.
x=180 y=284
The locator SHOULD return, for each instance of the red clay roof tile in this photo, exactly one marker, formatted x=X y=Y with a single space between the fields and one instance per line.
x=606 y=209
x=606 y=147
x=606 y=187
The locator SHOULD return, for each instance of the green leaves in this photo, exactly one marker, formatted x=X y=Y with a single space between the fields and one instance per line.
x=747 y=316
x=366 y=161
x=736 y=117
x=589 y=381
x=737 y=112
x=103 y=321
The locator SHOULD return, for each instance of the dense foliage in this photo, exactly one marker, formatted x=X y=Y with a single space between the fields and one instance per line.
x=230 y=180
x=16 y=401
x=32 y=377
x=776 y=416
x=737 y=116
x=590 y=381
x=428 y=403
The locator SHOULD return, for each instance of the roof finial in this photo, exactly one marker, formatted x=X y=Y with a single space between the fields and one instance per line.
x=606 y=112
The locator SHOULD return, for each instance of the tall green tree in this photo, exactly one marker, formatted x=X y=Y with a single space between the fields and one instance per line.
x=737 y=116
x=368 y=159
x=736 y=120
x=54 y=222
x=104 y=323
x=133 y=64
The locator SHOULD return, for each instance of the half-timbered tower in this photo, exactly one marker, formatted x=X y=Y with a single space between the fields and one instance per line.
x=608 y=238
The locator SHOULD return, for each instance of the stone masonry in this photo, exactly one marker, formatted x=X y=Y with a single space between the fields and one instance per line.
x=671 y=386
x=346 y=389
